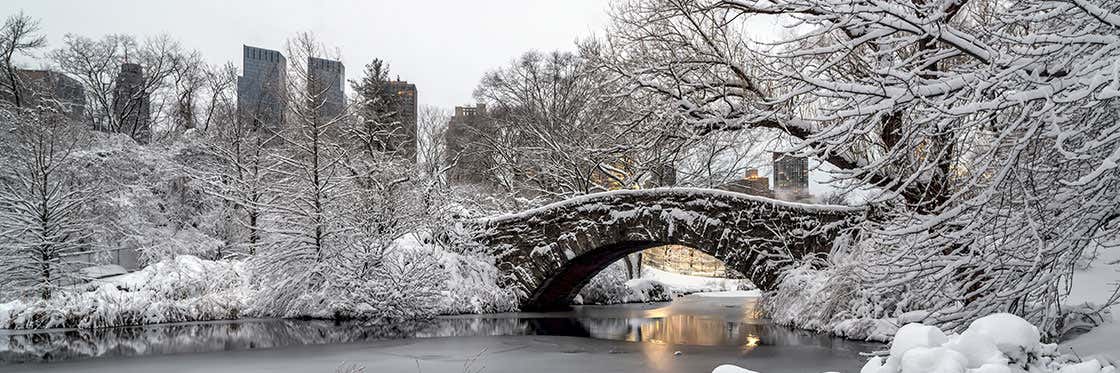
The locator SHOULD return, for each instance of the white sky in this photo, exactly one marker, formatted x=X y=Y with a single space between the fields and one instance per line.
x=444 y=46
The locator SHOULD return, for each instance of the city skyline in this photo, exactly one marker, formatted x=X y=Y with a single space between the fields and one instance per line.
x=407 y=36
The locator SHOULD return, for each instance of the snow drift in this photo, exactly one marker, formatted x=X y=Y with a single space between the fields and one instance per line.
x=998 y=343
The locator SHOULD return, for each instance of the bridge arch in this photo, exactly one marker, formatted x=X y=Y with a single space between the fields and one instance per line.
x=549 y=253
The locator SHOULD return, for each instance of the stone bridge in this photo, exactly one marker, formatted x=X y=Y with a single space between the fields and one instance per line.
x=549 y=253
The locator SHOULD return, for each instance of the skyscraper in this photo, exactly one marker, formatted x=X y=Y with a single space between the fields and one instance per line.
x=131 y=104
x=471 y=163
x=751 y=184
x=403 y=98
x=261 y=88
x=40 y=87
x=326 y=84
x=791 y=177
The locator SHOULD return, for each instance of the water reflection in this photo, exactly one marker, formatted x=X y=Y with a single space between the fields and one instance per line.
x=687 y=321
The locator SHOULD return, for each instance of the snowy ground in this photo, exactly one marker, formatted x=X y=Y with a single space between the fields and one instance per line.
x=685 y=284
x=611 y=287
x=1095 y=285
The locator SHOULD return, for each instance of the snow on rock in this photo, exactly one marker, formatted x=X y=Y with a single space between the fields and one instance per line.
x=994 y=343
x=932 y=360
x=912 y=336
x=1011 y=334
x=727 y=368
x=998 y=343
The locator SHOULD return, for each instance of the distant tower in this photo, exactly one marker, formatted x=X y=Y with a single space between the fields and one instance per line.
x=52 y=88
x=261 y=97
x=327 y=79
x=404 y=97
x=469 y=125
x=791 y=177
x=131 y=104
x=751 y=184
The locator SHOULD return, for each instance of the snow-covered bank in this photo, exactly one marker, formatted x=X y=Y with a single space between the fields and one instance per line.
x=184 y=288
x=612 y=287
x=999 y=343
x=1094 y=286
x=187 y=288
x=685 y=284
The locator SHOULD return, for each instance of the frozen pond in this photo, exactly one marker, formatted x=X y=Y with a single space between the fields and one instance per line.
x=691 y=334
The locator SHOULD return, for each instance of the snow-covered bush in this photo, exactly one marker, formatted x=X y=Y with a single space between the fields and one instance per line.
x=146 y=197
x=472 y=285
x=184 y=288
x=612 y=285
x=830 y=299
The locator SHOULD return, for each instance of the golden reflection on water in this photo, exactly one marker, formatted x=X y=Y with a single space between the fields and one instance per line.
x=738 y=324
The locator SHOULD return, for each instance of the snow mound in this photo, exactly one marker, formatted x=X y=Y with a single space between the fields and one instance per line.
x=730 y=294
x=997 y=343
x=727 y=368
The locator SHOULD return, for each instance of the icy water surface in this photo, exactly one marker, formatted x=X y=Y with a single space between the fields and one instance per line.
x=691 y=334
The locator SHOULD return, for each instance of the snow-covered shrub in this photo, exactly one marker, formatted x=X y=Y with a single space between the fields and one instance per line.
x=184 y=288
x=613 y=286
x=145 y=197
x=405 y=284
x=830 y=299
x=472 y=285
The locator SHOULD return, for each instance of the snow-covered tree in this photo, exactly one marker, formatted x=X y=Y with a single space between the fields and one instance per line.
x=41 y=202
x=97 y=65
x=18 y=36
x=560 y=129
x=307 y=229
x=239 y=173
x=378 y=122
x=990 y=128
x=431 y=144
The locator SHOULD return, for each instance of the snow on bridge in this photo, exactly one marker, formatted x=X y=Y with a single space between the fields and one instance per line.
x=548 y=254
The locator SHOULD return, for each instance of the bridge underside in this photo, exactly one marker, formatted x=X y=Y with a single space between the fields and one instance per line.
x=548 y=254
x=556 y=292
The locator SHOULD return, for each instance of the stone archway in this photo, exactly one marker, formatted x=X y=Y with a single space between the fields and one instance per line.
x=549 y=253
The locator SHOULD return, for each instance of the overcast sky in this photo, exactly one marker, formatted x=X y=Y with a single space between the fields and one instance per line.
x=444 y=46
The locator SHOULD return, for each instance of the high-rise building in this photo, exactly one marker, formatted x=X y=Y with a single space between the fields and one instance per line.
x=261 y=88
x=131 y=104
x=327 y=84
x=471 y=163
x=38 y=87
x=751 y=183
x=403 y=98
x=791 y=177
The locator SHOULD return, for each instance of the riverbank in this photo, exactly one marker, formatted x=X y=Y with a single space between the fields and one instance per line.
x=186 y=288
x=690 y=334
